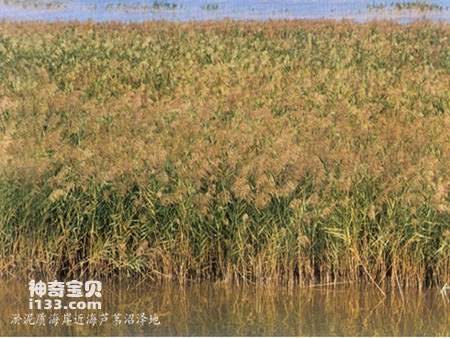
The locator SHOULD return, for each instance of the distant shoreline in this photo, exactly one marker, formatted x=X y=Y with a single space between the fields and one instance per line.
x=200 y=10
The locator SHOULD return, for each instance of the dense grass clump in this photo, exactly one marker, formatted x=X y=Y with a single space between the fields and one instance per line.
x=279 y=152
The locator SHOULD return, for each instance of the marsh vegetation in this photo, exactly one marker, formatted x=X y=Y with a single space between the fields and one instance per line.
x=282 y=152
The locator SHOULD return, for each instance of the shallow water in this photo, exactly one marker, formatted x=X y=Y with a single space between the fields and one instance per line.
x=223 y=310
x=185 y=10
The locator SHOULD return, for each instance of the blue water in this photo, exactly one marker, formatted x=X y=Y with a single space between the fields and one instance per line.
x=186 y=10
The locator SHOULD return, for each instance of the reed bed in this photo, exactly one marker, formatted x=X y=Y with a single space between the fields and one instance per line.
x=285 y=152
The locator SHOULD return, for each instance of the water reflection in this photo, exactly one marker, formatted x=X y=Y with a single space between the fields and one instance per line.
x=220 y=310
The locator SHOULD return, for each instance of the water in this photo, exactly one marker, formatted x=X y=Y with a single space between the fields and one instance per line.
x=224 y=310
x=186 y=10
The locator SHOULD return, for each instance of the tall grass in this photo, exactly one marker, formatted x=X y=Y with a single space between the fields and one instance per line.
x=280 y=152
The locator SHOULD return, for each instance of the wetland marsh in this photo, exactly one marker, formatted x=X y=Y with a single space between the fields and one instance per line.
x=235 y=177
x=262 y=152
